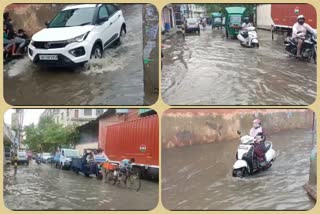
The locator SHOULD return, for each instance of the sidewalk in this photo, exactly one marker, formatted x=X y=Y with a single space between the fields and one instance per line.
x=169 y=34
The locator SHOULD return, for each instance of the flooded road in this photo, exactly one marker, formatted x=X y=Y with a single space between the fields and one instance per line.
x=116 y=79
x=42 y=187
x=199 y=177
x=207 y=69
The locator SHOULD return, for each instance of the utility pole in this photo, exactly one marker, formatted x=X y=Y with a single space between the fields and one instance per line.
x=18 y=120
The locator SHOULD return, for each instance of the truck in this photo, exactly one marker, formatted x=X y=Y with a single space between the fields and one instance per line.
x=279 y=18
x=138 y=139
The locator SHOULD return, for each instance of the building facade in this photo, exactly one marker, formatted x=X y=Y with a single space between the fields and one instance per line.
x=168 y=18
x=73 y=116
x=192 y=10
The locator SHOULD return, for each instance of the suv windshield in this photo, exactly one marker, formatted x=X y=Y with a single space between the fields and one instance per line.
x=73 y=17
x=71 y=153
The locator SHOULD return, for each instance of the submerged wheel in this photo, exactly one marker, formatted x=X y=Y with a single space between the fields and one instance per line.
x=99 y=176
x=109 y=178
x=122 y=35
x=96 y=52
x=240 y=173
x=133 y=182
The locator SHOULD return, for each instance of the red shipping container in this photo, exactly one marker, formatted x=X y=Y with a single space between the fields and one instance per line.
x=285 y=14
x=138 y=139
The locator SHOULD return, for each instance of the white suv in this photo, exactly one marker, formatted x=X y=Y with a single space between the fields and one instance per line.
x=77 y=34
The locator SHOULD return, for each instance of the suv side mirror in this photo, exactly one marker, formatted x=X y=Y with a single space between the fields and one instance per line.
x=47 y=23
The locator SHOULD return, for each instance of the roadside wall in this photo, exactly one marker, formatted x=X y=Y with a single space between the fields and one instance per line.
x=32 y=17
x=81 y=147
x=150 y=53
x=183 y=127
x=112 y=120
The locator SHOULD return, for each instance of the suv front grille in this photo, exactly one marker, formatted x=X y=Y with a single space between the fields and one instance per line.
x=50 y=45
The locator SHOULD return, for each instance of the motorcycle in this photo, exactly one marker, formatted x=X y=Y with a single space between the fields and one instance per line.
x=38 y=160
x=308 y=49
x=247 y=163
x=248 y=38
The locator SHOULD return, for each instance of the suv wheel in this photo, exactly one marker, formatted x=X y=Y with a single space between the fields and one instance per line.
x=96 y=52
x=122 y=35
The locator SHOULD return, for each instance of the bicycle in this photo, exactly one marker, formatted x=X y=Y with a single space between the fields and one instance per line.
x=129 y=178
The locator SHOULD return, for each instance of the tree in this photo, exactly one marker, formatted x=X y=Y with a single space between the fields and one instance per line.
x=47 y=136
x=212 y=8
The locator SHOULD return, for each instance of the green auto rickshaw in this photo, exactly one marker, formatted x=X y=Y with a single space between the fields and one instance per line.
x=233 y=21
x=216 y=20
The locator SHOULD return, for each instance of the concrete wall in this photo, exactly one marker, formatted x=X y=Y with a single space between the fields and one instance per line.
x=264 y=19
x=182 y=127
x=112 y=120
x=150 y=53
x=31 y=17
x=81 y=147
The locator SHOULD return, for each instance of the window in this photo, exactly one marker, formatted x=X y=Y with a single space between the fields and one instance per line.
x=235 y=19
x=112 y=9
x=76 y=114
x=73 y=17
x=103 y=13
x=87 y=112
x=99 y=112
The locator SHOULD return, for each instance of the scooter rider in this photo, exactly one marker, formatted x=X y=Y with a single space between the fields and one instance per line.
x=246 y=24
x=299 y=32
x=259 y=134
x=244 y=30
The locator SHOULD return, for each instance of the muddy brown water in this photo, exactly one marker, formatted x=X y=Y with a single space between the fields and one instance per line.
x=200 y=177
x=207 y=69
x=116 y=79
x=42 y=187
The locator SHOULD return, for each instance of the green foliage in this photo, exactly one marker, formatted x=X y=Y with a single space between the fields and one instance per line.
x=47 y=135
x=212 y=8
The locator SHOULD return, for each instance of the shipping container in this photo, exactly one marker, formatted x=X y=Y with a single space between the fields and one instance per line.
x=283 y=16
x=138 y=139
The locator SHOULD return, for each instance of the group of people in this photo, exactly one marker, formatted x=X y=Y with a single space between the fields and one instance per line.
x=124 y=166
x=299 y=31
x=13 y=41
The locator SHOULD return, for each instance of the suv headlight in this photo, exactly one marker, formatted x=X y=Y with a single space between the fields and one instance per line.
x=80 y=38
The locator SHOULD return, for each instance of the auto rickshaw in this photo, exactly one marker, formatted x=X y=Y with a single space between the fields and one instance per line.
x=216 y=20
x=233 y=21
x=83 y=166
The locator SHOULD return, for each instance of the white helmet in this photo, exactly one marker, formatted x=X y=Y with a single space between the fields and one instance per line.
x=300 y=17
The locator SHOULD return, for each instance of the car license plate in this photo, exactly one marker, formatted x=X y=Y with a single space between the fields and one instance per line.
x=48 y=57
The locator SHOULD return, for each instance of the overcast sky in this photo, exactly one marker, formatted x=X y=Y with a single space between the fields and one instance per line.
x=30 y=116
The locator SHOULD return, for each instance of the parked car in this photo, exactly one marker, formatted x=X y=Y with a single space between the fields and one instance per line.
x=192 y=25
x=50 y=160
x=23 y=158
x=8 y=154
x=63 y=158
x=44 y=157
x=77 y=34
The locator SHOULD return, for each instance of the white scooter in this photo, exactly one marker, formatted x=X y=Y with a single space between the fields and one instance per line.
x=249 y=37
x=246 y=163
